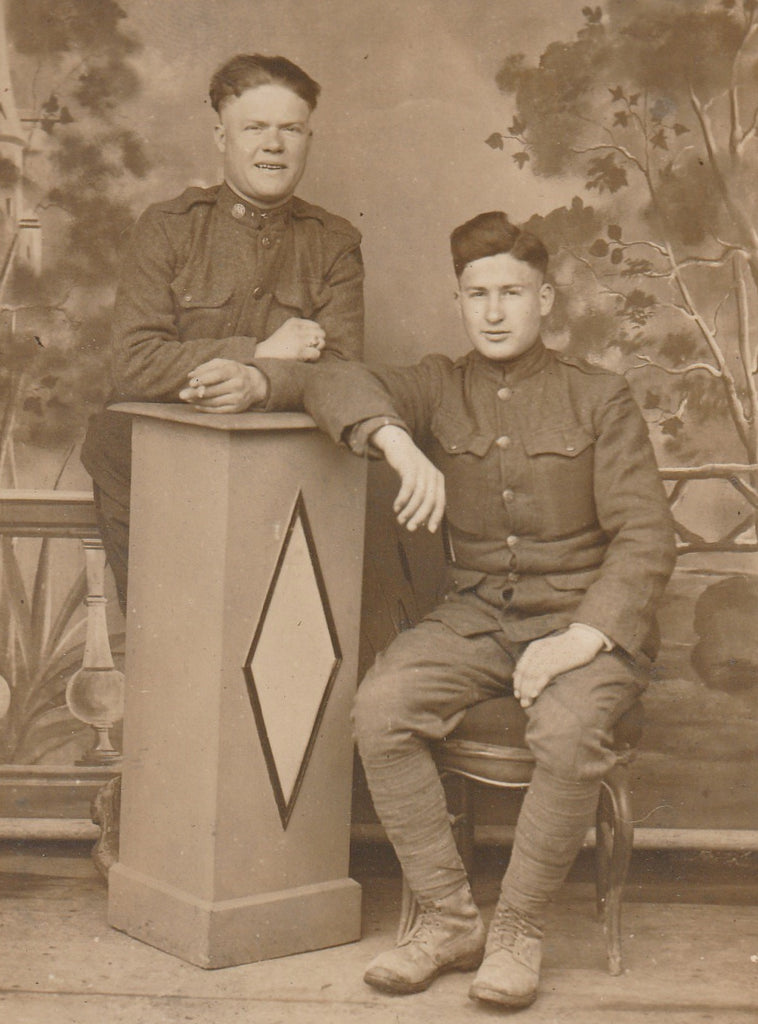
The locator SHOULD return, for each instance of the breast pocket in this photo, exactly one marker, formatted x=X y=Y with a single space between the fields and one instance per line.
x=562 y=468
x=462 y=457
x=196 y=292
x=203 y=308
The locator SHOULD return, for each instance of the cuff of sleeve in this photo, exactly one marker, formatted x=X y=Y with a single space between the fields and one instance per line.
x=284 y=384
x=608 y=644
x=358 y=437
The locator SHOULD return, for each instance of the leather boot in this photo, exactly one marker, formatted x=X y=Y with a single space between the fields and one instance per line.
x=448 y=936
x=510 y=972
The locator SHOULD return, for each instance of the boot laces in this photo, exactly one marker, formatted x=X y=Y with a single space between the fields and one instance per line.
x=508 y=925
x=429 y=922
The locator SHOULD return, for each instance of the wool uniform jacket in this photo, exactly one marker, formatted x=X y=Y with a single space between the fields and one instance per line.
x=555 y=509
x=209 y=275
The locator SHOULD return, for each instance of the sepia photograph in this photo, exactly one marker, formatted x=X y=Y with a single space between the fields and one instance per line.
x=378 y=511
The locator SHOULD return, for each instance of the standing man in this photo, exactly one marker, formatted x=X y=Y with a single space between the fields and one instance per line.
x=221 y=275
x=563 y=542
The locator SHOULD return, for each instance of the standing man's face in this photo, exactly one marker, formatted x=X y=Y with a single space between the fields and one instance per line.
x=264 y=136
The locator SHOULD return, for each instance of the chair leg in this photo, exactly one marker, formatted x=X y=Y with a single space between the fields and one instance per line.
x=614 y=840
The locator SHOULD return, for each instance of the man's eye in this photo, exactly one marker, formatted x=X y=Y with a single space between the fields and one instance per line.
x=294 y=129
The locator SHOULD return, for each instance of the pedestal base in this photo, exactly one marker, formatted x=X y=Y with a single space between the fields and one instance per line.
x=245 y=558
x=232 y=932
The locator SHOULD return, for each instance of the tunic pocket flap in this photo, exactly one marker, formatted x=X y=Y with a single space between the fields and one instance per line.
x=457 y=438
x=580 y=580
x=190 y=296
x=464 y=579
x=569 y=441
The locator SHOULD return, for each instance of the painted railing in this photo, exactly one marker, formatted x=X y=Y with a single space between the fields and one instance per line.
x=742 y=479
x=57 y=672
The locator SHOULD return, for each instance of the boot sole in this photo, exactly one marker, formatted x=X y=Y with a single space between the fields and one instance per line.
x=486 y=994
x=397 y=987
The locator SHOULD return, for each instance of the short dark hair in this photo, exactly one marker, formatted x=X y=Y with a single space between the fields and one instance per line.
x=249 y=70
x=490 y=234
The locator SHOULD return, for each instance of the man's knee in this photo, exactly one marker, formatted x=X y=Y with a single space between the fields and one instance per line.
x=565 y=744
x=375 y=708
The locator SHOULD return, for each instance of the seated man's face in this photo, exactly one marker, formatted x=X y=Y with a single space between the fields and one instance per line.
x=264 y=135
x=502 y=302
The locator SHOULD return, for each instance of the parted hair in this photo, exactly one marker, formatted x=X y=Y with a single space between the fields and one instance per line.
x=249 y=70
x=489 y=234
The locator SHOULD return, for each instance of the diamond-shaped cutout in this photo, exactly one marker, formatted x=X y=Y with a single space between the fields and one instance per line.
x=293 y=662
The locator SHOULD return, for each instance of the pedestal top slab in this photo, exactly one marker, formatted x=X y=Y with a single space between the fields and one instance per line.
x=177 y=412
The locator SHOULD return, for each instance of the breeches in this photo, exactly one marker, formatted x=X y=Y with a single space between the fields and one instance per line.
x=419 y=689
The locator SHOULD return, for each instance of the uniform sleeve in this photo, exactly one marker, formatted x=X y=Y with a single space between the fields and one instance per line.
x=341 y=315
x=149 y=363
x=341 y=396
x=634 y=512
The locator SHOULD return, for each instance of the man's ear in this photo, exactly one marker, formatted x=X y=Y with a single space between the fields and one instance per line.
x=547 y=298
x=219 y=136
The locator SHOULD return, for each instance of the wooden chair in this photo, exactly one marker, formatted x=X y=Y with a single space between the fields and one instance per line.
x=488 y=748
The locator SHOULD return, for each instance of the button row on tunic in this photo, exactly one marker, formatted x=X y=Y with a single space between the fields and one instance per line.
x=504 y=393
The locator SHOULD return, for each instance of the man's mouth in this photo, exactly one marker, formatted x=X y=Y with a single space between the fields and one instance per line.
x=496 y=335
x=271 y=167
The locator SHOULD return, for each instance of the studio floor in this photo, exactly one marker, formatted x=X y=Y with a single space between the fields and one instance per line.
x=690 y=949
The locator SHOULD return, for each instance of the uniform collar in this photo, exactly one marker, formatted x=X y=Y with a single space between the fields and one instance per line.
x=245 y=212
x=513 y=370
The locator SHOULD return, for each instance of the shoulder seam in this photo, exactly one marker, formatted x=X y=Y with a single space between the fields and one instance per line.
x=192 y=196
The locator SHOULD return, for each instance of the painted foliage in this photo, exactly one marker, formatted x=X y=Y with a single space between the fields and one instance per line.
x=631 y=128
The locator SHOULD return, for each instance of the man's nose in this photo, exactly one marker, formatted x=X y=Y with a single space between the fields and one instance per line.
x=274 y=141
x=494 y=311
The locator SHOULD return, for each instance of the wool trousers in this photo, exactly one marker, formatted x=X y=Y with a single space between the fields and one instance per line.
x=418 y=691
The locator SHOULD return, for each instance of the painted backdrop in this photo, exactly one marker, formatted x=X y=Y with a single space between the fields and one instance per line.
x=624 y=133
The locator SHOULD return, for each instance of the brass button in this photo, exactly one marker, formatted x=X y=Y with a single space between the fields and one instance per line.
x=512 y=541
x=513 y=577
x=258 y=292
x=188 y=297
x=570 y=447
x=266 y=242
x=504 y=393
x=508 y=495
x=238 y=211
x=503 y=442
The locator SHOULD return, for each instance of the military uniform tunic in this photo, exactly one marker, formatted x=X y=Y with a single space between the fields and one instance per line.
x=555 y=509
x=209 y=275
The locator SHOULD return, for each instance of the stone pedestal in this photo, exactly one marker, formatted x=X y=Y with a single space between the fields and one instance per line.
x=242 y=641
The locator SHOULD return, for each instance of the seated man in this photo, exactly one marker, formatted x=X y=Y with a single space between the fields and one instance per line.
x=220 y=275
x=562 y=543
